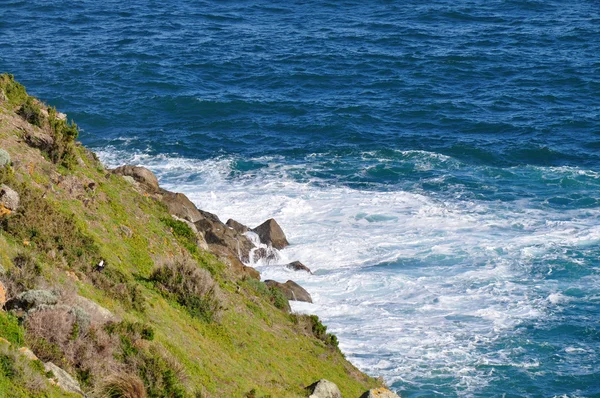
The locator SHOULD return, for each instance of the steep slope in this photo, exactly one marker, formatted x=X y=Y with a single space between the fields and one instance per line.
x=161 y=313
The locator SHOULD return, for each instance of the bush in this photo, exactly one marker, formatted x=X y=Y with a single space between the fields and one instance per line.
x=118 y=285
x=64 y=135
x=122 y=385
x=317 y=329
x=273 y=295
x=15 y=92
x=55 y=335
x=191 y=286
x=23 y=372
x=30 y=111
x=24 y=275
x=4 y=158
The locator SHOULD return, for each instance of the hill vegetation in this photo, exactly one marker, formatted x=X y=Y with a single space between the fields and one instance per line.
x=99 y=280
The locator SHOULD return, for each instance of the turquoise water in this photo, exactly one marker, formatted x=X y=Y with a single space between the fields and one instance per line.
x=436 y=164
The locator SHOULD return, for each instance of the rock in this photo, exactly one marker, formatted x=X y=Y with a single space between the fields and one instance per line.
x=96 y=313
x=28 y=354
x=39 y=140
x=218 y=234
x=9 y=198
x=3 y=97
x=180 y=206
x=324 y=389
x=126 y=231
x=4 y=158
x=30 y=299
x=142 y=175
x=236 y=226
x=63 y=379
x=130 y=180
x=379 y=393
x=291 y=290
x=298 y=266
x=270 y=233
x=251 y=273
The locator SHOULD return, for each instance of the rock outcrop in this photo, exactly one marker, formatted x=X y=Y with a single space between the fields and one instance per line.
x=270 y=233
x=63 y=379
x=379 y=393
x=323 y=389
x=179 y=205
x=141 y=175
x=9 y=198
x=298 y=266
x=291 y=290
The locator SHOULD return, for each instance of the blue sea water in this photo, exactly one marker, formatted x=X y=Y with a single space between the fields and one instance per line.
x=435 y=163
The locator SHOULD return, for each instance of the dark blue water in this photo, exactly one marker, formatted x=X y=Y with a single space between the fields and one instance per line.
x=435 y=163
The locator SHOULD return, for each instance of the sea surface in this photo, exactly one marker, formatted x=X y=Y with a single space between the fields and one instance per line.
x=436 y=164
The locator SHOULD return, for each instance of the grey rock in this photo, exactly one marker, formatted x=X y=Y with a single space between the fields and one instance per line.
x=379 y=393
x=238 y=227
x=126 y=231
x=291 y=290
x=28 y=354
x=97 y=313
x=9 y=198
x=270 y=233
x=39 y=140
x=142 y=175
x=63 y=379
x=298 y=266
x=323 y=389
x=4 y=158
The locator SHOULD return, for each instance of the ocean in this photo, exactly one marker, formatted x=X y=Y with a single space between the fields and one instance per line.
x=436 y=164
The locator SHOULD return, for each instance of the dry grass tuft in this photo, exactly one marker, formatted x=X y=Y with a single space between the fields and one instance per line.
x=121 y=385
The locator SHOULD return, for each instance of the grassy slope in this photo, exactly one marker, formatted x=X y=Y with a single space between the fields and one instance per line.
x=254 y=346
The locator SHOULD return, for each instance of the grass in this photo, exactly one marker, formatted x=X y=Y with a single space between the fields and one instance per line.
x=205 y=334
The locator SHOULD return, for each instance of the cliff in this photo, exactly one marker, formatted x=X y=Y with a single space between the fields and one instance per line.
x=99 y=281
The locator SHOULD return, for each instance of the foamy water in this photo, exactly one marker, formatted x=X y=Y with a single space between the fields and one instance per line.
x=418 y=287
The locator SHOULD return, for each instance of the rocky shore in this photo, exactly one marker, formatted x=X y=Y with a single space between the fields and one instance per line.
x=111 y=286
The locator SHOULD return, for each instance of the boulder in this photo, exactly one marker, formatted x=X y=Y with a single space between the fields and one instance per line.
x=9 y=198
x=39 y=140
x=323 y=389
x=4 y=158
x=180 y=206
x=2 y=295
x=298 y=266
x=63 y=379
x=291 y=290
x=96 y=313
x=379 y=393
x=236 y=226
x=219 y=234
x=28 y=354
x=30 y=299
x=142 y=175
x=269 y=254
x=270 y=233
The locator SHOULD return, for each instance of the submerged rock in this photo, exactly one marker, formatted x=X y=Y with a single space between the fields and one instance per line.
x=291 y=290
x=324 y=389
x=270 y=233
x=142 y=175
x=298 y=266
x=379 y=393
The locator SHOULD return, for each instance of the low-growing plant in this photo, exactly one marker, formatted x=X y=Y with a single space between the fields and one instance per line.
x=10 y=328
x=120 y=286
x=191 y=286
x=121 y=385
x=24 y=274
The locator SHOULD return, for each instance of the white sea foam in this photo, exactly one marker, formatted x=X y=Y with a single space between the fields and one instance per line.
x=414 y=285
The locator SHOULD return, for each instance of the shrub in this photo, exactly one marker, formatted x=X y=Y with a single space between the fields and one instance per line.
x=191 y=286
x=21 y=371
x=64 y=135
x=15 y=92
x=271 y=294
x=55 y=335
x=30 y=111
x=122 y=385
x=317 y=329
x=24 y=275
x=4 y=158
x=120 y=286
